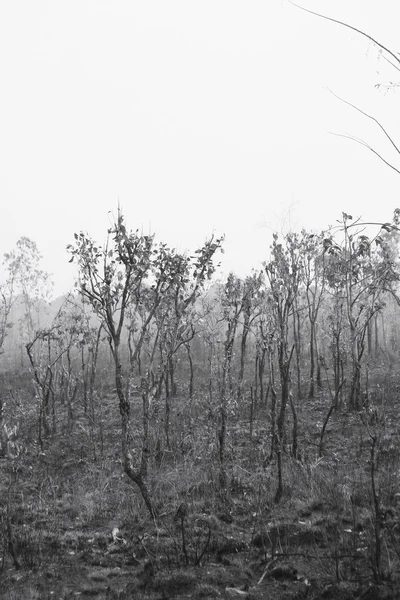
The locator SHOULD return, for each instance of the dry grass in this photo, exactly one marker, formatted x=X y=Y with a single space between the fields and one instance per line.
x=66 y=503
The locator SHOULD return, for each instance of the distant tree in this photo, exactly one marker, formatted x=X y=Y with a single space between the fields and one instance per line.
x=283 y=274
x=211 y=334
x=31 y=282
x=362 y=270
x=266 y=335
x=7 y=298
x=43 y=361
x=46 y=352
x=336 y=320
x=314 y=280
x=251 y=309
x=24 y=278
x=235 y=298
x=176 y=331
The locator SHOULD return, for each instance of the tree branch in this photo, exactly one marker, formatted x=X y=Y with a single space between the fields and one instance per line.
x=369 y=117
x=363 y=143
x=391 y=64
x=343 y=24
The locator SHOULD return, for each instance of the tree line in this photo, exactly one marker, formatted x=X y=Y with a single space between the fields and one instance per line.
x=157 y=325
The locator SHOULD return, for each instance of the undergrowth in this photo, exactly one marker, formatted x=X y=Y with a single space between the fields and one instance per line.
x=71 y=521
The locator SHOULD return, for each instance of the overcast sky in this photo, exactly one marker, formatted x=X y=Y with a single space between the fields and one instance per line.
x=197 y=116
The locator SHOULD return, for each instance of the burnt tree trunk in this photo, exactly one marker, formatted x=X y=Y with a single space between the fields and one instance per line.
x=138 y=476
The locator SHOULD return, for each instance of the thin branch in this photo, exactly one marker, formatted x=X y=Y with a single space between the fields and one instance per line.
x=364 y=223
x=362 y=143
x=391 y=64
x=343 y=24
x=369 y=117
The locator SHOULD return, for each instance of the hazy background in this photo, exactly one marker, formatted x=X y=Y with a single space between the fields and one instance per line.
x=198 y=116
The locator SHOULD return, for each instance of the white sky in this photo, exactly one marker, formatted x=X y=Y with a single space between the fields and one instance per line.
x=198 y=115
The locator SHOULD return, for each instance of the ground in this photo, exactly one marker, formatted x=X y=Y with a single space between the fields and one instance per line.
x=74 y=526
